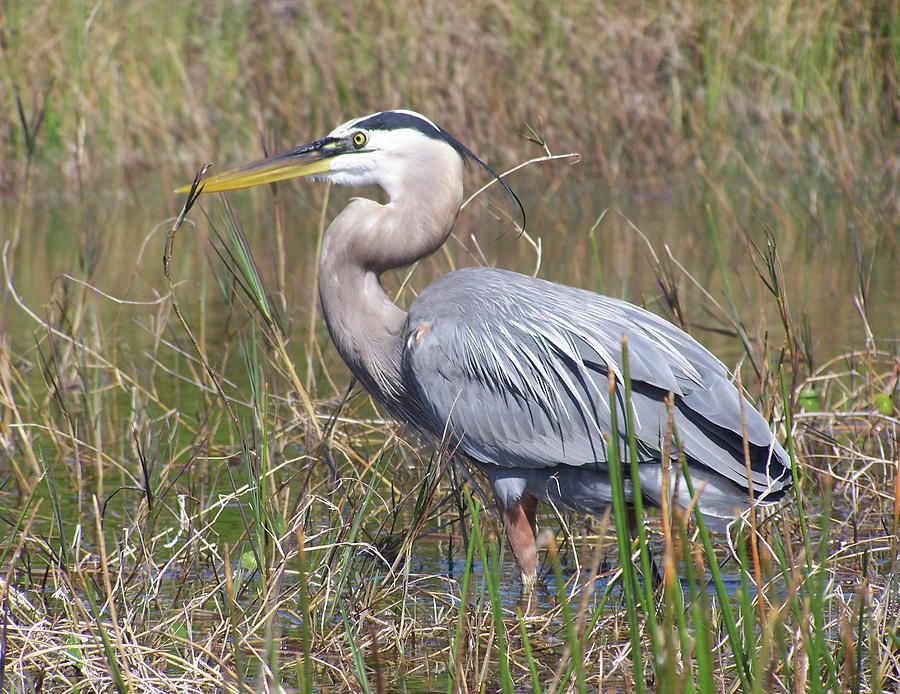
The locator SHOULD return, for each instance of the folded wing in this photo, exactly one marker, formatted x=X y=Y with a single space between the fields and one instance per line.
x=514 y=371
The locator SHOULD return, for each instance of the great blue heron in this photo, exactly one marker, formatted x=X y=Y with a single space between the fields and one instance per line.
x=510 y=370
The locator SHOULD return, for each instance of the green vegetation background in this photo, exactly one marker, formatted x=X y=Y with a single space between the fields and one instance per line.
x=640 y=88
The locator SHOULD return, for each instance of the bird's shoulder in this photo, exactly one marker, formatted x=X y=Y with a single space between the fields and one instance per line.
x=502 y=383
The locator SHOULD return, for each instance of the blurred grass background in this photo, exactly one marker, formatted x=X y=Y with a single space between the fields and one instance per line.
x=641 y=89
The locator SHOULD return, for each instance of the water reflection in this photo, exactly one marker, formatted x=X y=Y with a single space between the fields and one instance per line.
x=614 y=241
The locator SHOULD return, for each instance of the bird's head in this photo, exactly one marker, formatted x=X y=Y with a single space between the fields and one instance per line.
x=380 y=148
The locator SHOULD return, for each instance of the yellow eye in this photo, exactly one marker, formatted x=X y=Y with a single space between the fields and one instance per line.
x=359 y=139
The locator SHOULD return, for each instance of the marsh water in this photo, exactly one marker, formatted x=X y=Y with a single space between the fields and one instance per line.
x=836 y=261
x=92 y=262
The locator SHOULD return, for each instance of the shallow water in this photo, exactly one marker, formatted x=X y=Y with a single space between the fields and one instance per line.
x=92 y=263
x=591 y=236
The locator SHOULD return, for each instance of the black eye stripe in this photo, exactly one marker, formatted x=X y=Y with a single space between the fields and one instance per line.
x=397 y=120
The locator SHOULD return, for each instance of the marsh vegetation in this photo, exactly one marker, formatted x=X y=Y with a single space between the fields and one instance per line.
x=195 y=497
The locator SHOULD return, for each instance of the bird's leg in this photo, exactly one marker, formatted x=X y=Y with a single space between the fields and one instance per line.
x=655 y=574
x=521 y=531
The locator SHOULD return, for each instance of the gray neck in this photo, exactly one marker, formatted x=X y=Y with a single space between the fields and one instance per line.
x=362 y=242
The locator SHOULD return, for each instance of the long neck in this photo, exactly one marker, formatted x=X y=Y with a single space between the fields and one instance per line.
x=362 y=242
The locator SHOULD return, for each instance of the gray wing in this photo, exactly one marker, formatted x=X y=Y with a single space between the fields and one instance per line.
x=513 y=371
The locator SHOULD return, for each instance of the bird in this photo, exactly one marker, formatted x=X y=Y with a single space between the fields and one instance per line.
x=509 y=370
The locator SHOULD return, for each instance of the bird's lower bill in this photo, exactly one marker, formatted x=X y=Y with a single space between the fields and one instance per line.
x=307 y=160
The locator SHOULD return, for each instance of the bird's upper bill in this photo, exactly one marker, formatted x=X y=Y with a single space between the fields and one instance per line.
x=305 y=160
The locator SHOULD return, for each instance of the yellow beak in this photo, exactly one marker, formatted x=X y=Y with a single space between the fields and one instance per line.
x=306 y=160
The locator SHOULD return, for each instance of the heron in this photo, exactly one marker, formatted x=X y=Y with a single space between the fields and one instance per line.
x=510 y=370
